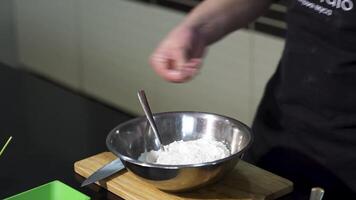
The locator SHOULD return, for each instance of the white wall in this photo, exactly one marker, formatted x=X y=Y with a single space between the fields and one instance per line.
x=7 y=33
x=47 y=39
x=102 y=47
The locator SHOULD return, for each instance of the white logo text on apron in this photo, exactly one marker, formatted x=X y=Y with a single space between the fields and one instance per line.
x=345 y=5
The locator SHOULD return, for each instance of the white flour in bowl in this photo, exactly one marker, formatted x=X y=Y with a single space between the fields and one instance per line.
x=187 y=152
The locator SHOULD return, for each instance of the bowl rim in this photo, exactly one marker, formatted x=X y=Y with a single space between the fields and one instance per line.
x=162 y=166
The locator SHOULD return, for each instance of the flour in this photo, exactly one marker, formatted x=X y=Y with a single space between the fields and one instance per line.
x=187 y=152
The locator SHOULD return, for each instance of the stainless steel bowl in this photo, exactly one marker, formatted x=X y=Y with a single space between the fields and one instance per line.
x=132 y=138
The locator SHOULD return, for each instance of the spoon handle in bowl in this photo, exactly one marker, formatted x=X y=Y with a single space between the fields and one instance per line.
x=146 y=108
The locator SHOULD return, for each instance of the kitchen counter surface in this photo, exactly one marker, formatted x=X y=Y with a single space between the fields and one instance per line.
x=51 y=128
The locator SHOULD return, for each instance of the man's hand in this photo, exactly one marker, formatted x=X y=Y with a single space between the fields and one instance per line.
x=179 y=56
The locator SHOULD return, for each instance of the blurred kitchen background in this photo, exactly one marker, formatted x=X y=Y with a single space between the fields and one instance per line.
x=100 y=49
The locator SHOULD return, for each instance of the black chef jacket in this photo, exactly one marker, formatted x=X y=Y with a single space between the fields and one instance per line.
x=305 y=127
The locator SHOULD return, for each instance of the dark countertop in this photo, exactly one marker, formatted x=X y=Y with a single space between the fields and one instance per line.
x=52 y=127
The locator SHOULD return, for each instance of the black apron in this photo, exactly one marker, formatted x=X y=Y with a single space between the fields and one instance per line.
x=305 y=127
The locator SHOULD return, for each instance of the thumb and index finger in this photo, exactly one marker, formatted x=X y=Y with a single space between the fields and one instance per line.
x=174 y=65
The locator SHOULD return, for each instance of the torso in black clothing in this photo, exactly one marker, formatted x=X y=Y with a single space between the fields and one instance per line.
x=305 y=128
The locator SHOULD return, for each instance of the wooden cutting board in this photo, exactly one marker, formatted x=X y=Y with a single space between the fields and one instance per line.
x=245 y=182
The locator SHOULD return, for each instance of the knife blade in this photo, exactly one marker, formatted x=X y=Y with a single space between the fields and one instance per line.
x=104 y=172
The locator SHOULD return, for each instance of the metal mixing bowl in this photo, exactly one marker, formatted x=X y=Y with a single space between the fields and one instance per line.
x=132 y=138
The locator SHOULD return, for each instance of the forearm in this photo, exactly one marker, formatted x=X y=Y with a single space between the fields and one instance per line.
x=214 y=19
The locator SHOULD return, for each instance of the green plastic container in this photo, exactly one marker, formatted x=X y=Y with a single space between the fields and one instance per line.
x=54 y=190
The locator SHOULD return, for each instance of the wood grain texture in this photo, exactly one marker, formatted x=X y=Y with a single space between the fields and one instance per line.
x=245 y=182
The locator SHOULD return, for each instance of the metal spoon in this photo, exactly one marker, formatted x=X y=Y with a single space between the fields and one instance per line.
x=317 y=193
x=146 y=108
